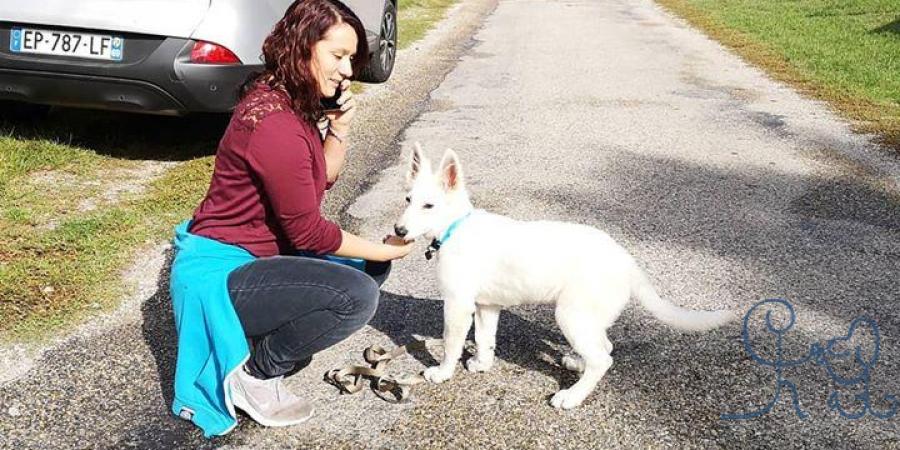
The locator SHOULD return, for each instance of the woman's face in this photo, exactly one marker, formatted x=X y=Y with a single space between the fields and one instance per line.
x=332 y=57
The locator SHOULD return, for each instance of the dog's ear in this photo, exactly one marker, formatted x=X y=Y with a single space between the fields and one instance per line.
x=451 y=171
x=418 y=163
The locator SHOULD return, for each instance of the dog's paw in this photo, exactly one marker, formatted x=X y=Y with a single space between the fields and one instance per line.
x=566 y=399
x=474 y=365
x=573 y=363
x=437 y=375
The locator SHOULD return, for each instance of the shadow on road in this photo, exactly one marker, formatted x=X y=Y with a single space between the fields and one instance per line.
x=158 y=330
x=520 y=341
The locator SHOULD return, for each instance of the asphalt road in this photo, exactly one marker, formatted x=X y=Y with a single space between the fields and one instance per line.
x=727 y=187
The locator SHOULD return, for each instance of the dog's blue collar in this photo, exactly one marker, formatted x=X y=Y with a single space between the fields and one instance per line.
x=436 y=243
x=452 y=228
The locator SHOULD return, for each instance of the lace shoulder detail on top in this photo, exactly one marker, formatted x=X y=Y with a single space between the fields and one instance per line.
x=259 y=103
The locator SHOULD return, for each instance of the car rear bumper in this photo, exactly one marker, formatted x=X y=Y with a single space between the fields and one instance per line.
x=216 y=91
x=155 y=76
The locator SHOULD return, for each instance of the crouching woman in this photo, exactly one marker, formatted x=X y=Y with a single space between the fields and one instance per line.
x=255 y=287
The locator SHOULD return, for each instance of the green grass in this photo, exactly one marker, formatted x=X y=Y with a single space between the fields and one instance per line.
x=416 y=17
x=63 y=241
x=846 y=52
x=65 y=238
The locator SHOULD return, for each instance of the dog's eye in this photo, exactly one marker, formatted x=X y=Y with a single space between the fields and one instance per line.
x=408 y=199
x=428 y=206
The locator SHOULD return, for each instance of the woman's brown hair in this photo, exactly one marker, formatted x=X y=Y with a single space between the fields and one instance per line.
x=288 y=52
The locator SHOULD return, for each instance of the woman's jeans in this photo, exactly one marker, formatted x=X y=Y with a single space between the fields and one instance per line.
x=292 y=307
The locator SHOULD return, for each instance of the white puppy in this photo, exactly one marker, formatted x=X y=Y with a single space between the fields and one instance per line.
x=487 y=262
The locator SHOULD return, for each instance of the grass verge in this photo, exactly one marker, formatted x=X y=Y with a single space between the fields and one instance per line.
x=72 y=216
x=846 y=53
x=416 y=17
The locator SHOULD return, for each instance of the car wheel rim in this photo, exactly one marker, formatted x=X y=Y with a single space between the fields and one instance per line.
x=387 y=45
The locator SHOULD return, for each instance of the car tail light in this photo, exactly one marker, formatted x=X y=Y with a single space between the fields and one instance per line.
x=209 y=53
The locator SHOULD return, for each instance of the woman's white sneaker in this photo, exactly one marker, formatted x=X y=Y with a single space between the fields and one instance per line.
x=268 y=401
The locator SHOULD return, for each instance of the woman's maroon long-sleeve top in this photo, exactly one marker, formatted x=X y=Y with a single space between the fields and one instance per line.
x=268 y=183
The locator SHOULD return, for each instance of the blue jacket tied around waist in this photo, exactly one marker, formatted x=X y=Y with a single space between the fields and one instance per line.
x=211 y=342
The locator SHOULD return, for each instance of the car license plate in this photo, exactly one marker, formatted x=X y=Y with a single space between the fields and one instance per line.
x=66 y=43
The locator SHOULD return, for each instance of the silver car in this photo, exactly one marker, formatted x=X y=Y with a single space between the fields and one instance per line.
x=153 y=56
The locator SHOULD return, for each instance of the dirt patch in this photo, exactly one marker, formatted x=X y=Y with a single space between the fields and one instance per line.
x=52 y=178
x=124 y=183
x=78 y=194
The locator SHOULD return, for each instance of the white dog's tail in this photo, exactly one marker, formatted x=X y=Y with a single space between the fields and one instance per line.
x=673 y=315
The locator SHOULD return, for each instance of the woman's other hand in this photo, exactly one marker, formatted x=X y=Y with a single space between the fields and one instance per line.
x=339 y=120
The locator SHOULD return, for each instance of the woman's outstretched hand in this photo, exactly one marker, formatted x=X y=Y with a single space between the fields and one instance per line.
x=397 y=247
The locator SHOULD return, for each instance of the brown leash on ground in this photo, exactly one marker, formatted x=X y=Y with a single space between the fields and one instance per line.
x=392 y=389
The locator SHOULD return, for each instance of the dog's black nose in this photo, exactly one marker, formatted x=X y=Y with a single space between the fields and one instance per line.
x=401 y=231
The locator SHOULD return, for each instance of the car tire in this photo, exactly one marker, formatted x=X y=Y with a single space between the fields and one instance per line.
x=18 y=111
x=381 y=61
